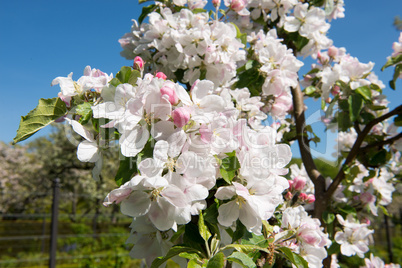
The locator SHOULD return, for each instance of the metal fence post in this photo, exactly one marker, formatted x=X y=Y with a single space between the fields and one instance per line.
x=55 y=214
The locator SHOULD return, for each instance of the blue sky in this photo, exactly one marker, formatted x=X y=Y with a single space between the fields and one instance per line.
x=40 y=40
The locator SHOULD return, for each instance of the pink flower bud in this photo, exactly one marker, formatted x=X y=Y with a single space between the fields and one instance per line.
x=328 y=100
x=366 y=221
x=238 y=5
x=138 y=63
x=332 y=52
x=310 y=198
x=290 y=184
x=161 y=75
x=288 y=196
x=171 y=93
x=298 y=183
x=335 y=90
x=216 y=3
x=302 y=197
x=181 y=116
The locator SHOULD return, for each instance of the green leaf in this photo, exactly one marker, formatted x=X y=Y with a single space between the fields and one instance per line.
x=245 y=248
x=328 y=217
x=242 y=259
x=355 y=106
x=204 y=232
x=47 y=111
x=217 y=261
x=193 y=264
x=85 y=111
x=190 y=256
x=239 y=232
x=310 y=90
x=124 y=74
x=397 y=72
x=133 y=77
x=192 y=237
x=294 y=258
x=230 y=163
x=145 y=11
x=398 y=120
x=379 y=158
x=392 y=61
x=174 y=251
x=115 y=82
x=227 y=175
x=127 y=169
x=365 y=92
x=211 y=214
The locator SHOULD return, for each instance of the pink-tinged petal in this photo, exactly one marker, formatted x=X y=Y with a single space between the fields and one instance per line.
x=228 y=213
x=190 y=163
x=176 y=142
x=160 y=214
x=175 y=196
x=162 y=109
x=137 y=204
x=212 y=103
x=149 y=168
x=88 y=152
x=201 y=90
x=161 y=153
x=162 y=130
x=196 y=192
x=118 y=195
x=225 y=192
x=183 y=96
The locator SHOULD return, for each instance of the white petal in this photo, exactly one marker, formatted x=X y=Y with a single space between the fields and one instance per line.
x=162 y=130
x=134 y=141
x=228 y=213
x=176 y=142
x=137 y=204
x=88 y=152
x=80 y=129
x=225 y=192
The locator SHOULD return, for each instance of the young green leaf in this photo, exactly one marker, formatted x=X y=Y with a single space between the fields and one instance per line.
x=124 y=74
x=217 y=261
x=242 y=259
x=174 y=251
x=355 y=106
x=202 y=228
x=47 y=111
x=294 y=258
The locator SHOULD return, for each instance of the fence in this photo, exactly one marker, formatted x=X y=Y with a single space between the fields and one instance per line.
x=34 y=239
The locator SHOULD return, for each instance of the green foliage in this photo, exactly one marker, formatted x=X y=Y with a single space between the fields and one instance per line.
x=242 y=259
x=47 y=111
x=174 y=251
x=127 y=169
x=294 y=258
x=217 y=261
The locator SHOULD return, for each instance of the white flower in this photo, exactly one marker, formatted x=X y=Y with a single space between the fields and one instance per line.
x=354 y=238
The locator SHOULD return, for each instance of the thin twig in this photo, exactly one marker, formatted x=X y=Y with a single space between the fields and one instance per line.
x=356 y=148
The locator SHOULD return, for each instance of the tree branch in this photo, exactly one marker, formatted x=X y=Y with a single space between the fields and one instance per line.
x=298 y=107
x=320 y=203
x=356 y=148
x=382 y=143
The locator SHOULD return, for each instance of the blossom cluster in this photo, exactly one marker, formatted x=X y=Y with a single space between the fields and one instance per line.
x=189 y=42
